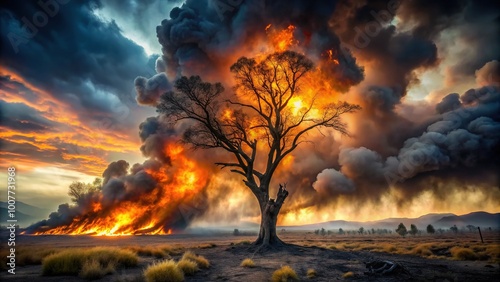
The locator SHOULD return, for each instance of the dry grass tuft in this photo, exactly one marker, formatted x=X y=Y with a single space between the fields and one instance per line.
x=199 y=260
x=311 y=273
x=71 y=262
x=284 y=274
x=247 y=263
x=244 y=242
x=347 y=275
x=188 y=267
x=165 y=271
x=92 y=269
x=150 y=251
x=460 y=253
x=422 y=250
x=207 y=246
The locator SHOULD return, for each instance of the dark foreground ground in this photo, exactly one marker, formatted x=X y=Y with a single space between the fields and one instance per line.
x=225 y=253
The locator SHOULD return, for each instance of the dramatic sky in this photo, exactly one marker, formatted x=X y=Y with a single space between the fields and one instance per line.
x=79 y=81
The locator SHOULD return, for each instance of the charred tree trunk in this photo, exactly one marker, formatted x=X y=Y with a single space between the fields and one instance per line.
x=270 y=209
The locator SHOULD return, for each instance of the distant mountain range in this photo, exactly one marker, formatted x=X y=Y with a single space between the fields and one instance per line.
x=438 y=220
x=25 y=214
x=28 y=214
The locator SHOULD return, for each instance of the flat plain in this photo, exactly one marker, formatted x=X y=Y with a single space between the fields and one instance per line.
x=313 y=257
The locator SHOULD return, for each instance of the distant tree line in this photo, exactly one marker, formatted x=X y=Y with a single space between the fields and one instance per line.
x=401 y=230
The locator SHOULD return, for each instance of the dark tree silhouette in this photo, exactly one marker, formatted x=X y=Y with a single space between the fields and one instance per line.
x=257 y=126
x=454 y=229
x=361 y=230
x=401 y=230
x=430 y=229
x=413 y=229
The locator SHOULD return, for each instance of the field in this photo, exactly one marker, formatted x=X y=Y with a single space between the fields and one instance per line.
x=446 y=257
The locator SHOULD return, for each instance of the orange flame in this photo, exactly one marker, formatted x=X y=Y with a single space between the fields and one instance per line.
x=150 y=212
x=282 y=40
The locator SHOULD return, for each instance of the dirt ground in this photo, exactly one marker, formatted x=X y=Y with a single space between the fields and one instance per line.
x=309 y=251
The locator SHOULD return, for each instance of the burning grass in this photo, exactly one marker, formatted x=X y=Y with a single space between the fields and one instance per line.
x=248 y=262
x=165 y=271
x=284 y=274
x=87 y=262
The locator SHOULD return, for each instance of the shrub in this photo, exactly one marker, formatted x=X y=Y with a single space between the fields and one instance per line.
x=188 y=267
x=165 y=271
x=284 y=274
x=460 y=253
x=199 y=260
x=247 y=263
x=311 y=273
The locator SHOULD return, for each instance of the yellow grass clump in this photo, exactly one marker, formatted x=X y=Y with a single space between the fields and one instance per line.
x=150 y=251
x=284 y=274
x=207 y=246
x=188 y=267
x=311 y=273
x=92 y=269
x=349 y=274
x=27 y=256
x=248 y=262
x=165 y=271
x=71 y=262
x=460 y=253
x=422 y=250
x=199 y=260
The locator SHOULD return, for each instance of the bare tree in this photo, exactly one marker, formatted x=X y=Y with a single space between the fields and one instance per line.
x=258 y=125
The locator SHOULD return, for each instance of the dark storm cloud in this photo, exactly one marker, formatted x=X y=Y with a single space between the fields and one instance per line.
x=467 y=137
x=75 y=56
x=149 y=90
x=19 y=117
x=449 y=103
x=196 y=35
x=9 y=85
x=474 y=22
x=431 y=17
x=150 y=126
x=27 y=149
